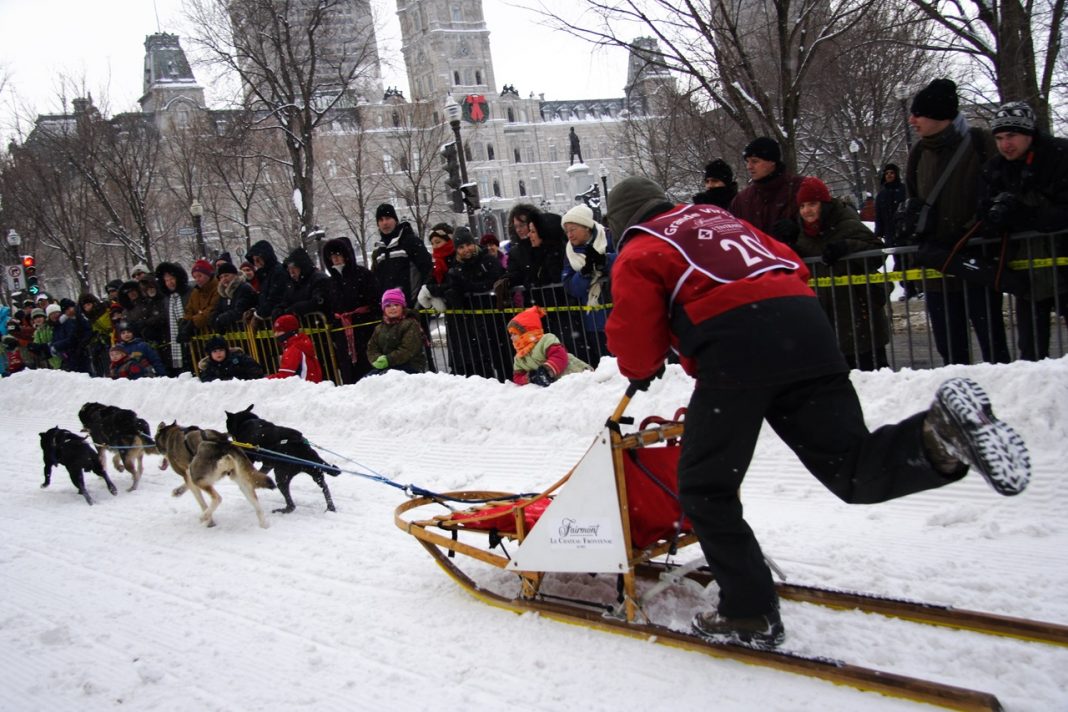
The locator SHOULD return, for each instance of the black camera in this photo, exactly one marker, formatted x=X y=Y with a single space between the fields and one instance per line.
x=1002 y=209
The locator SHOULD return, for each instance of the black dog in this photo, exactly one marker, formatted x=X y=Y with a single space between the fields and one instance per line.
x=122 y=431
x=62 y=447
x=247 y=427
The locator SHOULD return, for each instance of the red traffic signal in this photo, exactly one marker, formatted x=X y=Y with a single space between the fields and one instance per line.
x=28 y=261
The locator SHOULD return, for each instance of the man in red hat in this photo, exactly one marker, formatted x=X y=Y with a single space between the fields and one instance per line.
x=204 y=297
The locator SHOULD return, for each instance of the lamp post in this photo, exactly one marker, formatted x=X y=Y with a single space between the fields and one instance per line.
x=453 y=112
x=902 y=94
x=197 y=211
x=13 y=242
x=854 y=149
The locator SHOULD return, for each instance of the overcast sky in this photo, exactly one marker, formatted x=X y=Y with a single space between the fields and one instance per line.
x=103 y=42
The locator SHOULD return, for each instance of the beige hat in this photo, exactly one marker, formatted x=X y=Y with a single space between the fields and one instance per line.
x=581 y=214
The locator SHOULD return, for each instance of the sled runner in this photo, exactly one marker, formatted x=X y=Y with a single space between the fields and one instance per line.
x=617 y=513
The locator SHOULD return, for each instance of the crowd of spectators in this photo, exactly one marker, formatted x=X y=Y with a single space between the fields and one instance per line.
x=960 y=183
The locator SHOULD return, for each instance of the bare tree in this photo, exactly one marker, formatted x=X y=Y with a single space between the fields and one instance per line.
x=297 y=61
x=1016 y=44
x=750 y=58
x=412 y=146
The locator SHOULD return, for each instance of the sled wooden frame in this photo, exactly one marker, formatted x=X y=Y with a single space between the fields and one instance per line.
x=441 y=530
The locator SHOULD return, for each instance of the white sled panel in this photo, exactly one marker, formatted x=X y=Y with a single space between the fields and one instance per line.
x=581 y=530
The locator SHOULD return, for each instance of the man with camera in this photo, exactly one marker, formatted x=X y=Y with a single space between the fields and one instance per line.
x=1027 y=188
x=942 y=178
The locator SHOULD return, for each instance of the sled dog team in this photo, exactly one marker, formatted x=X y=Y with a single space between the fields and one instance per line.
x=200 y=456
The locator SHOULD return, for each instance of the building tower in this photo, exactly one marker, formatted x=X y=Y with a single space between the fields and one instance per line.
x=446 y=49
x=169 y=86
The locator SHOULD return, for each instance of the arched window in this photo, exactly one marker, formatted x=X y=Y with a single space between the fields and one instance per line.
x=511 y=115
x=489 y=152
x=516 y=156
x=496 y=188
x=522 y=187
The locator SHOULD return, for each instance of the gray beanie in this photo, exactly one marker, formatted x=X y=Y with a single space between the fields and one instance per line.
x=631 y=200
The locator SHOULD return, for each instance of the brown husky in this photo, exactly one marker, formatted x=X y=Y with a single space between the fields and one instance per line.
x=216 y=457
x=178 y=444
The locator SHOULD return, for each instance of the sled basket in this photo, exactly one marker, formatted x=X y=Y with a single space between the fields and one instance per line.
x=617 y=508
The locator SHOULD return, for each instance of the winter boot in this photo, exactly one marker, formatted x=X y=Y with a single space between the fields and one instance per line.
x=764 y=631
x=960 y=428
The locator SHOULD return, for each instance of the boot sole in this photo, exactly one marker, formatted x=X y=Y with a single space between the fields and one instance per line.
x=993 y=447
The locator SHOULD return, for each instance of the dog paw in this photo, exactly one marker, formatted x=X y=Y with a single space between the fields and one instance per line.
x=44 y=485
x=331 y=508
x=178 y=491
x=284 y=510
x=163 y=465
x=114 y=490
x=210 y=523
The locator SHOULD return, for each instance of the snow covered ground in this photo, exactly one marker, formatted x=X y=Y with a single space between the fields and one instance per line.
x=133 y=604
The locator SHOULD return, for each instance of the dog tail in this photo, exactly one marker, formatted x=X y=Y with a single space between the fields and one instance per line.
x=259 y=480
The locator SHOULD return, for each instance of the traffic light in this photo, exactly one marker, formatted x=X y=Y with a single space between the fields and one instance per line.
x=450 y=160
x=29 y=268
x=470 y=197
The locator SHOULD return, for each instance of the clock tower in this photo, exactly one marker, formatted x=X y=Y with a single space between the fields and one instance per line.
x=446 y=49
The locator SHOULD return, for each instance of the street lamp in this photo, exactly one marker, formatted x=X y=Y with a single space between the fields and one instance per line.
x=604 y=181
x=453 y=112
x=854 y=148
x=197 y=211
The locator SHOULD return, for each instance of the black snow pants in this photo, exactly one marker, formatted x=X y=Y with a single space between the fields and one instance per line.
x=822 y=422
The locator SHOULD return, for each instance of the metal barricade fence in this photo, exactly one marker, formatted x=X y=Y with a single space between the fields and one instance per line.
x=862 y=294
x=957 y=320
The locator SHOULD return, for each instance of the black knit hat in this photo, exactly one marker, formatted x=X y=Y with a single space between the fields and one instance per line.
x=462 y=236
x=1016 y=116
x=385 y=210
x=719 y=170
x=226 y=268
x=938 y=100
x=763 y=147
x=214 y=344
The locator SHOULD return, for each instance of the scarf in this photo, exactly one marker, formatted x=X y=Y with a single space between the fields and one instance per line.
x=441 y=255
x=577 y=260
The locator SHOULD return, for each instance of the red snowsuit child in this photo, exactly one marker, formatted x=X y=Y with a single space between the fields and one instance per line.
x=298 y=355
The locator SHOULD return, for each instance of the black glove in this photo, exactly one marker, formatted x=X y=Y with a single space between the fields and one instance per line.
x=1002 y=210
x=786 y=231
x=594 y=260
x=642 y=384
x=185 y=331
x=540 y=376
x=835 y=251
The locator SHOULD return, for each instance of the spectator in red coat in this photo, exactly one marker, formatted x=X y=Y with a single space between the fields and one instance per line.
x=298 y=355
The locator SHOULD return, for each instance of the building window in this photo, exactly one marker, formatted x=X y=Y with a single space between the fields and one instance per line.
x=387 y=163
x=554 y=155
x=522 y=187
x=558 y=185
x=457 y=13
x=478 y=76
x=396 y=119
x=516 y=156
x=489 y=152
x=496 y=188
x=456 y=78
x=511 y=115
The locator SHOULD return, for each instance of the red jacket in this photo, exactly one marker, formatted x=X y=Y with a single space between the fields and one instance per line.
x=298 y=359
x=664 y=301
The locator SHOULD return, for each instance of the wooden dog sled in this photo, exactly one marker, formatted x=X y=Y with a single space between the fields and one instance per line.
x=617 y=513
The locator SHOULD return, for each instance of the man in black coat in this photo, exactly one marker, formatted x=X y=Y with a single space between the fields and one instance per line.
x=271 y=276
x=889 y=197
x=306 y=290
x=399 y=259
x=236 y=298
x=353 y=297
x=1026 y=187
x=475 y=340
